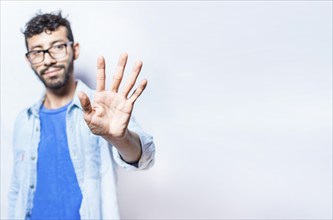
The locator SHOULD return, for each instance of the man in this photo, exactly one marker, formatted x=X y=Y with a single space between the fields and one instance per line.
x=66 y=146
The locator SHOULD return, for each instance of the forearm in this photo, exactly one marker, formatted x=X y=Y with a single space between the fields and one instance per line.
x=129 y=147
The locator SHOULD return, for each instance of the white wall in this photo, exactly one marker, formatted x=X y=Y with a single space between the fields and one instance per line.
x=239 y=101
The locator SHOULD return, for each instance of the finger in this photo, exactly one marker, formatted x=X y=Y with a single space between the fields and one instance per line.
x=118 y=76
x=100 y=78
x=85 y=102
x=138 y=91
x=132 y=79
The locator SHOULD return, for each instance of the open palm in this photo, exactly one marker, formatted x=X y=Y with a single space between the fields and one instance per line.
x=111 y=109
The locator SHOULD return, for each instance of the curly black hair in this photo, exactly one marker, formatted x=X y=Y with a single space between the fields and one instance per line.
x=47 y=22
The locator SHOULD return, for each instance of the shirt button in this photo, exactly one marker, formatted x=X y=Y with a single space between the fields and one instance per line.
x=37 y=129
x=33 y=157
x=28 y=215
x=32 y=186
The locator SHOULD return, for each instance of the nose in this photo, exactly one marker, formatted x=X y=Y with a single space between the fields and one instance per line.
x=48 y=59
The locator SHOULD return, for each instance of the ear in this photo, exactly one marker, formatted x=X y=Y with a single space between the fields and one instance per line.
x=76 y=50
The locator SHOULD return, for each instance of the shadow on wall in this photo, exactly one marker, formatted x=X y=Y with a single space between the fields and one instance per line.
x=85 y=77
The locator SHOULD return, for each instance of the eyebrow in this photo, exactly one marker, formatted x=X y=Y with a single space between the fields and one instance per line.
x=52 y=43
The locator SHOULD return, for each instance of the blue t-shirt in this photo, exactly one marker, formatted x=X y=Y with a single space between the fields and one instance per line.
x=57 y=194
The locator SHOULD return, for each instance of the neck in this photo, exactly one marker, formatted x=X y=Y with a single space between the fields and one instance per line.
x=60 y=97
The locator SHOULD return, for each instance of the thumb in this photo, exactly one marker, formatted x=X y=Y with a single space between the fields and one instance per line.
x=85 y=102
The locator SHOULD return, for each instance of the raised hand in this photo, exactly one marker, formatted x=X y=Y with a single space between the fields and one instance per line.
x=111 y=110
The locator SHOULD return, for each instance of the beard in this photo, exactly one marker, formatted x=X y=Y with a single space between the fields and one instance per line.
x=59 y=81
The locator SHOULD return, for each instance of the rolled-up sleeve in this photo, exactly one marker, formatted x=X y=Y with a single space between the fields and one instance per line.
x=148 y=149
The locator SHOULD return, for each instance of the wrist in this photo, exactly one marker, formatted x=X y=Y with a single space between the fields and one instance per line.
x=116 y=140
x=128 y=146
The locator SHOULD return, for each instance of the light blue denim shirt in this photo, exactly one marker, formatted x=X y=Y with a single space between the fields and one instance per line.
x=94 y=161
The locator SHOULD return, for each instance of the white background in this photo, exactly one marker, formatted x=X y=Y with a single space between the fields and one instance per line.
x=239 y=101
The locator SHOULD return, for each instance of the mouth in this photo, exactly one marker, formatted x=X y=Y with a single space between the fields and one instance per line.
x=51 y=72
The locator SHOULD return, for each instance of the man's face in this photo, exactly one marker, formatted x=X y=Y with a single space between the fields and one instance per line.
x=54 y=73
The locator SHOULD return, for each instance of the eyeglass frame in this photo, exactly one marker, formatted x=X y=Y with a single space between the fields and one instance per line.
x=47 y=51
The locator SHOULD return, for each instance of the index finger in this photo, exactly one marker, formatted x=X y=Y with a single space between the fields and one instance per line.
x=100 y=78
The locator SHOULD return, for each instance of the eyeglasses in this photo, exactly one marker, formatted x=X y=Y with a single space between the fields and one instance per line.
x=56 y=52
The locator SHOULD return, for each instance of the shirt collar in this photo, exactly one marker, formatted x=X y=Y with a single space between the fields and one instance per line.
x=80 y=86
x=34 y=109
